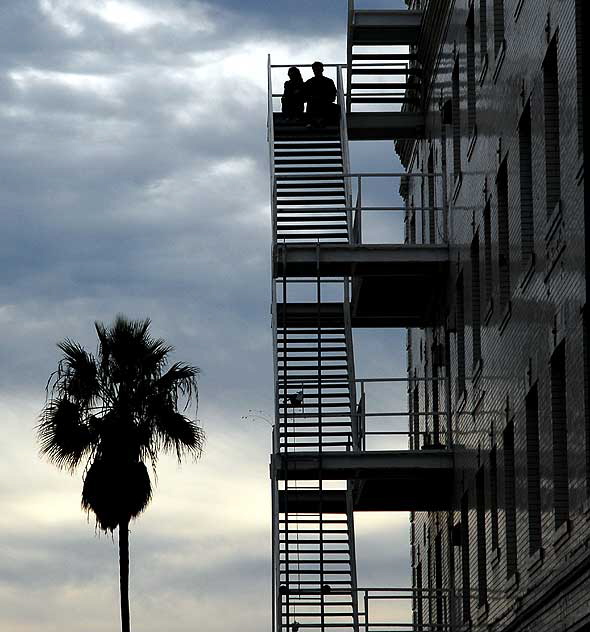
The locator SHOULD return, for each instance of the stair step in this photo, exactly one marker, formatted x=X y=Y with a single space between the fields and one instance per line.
x=335 y=582
x=355 y=70
x=297 y=379
x=315 y=236
x=306 y=228
x=279 y=145
x=309 y=194
x=309 y=220
x=307 y=331
x=308 y=202
x=308 y=161
x=302 y=358
x=310 y=170
x=383 y=57
x=307 y=153
x=325 y=424
x=321 y=349
x=318 y=185
x=385 y=100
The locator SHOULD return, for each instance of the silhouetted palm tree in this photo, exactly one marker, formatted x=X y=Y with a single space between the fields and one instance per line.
x=114 y=413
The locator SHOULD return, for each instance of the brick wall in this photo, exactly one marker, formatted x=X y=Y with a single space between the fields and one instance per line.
x=520 y=333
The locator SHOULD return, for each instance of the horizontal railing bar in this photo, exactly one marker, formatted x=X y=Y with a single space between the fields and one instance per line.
x=307 y=65
x=393 y=174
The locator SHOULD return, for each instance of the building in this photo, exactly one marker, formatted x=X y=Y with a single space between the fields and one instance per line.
x=484 y=102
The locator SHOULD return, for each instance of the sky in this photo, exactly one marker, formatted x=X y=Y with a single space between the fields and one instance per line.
x=134 y=179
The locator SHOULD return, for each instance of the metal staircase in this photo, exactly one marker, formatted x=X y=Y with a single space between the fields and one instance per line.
x=314 y=563
x=309 y=190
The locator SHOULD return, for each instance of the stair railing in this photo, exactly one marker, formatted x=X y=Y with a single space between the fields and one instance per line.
x=345 y=148
x=350 y=365
x=349 y=55
x=270 y=132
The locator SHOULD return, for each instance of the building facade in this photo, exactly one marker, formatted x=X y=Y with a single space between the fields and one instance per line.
x=505 y=111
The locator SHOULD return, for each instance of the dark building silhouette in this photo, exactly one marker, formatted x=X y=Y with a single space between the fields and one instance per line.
x=483 y=101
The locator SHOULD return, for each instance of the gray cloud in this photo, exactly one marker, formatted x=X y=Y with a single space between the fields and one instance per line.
x=133 y=167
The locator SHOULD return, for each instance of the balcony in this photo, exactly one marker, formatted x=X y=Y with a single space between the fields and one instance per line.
x=395 y=284
x=385 y=475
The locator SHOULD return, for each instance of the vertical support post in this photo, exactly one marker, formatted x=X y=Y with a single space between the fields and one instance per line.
x=320 y=440
x=270 y=132
x=363 y=419
x=349 y=55
x=276 y=557
x=350 y=367
x=286 y=454
x=345 y=151
x=352 y=541
x=358 y=215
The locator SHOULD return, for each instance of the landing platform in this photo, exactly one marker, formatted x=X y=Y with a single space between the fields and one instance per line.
x=374 y=27
x=384 y=481
x=385 y=125
x=392 y=285
x=337 y=259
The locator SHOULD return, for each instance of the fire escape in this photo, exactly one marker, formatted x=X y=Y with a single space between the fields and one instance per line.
x=326 y=281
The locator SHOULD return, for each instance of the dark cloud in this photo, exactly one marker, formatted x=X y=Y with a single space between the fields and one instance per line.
x=134 y=179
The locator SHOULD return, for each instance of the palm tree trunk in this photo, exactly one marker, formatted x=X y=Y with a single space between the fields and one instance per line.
x=124 y=574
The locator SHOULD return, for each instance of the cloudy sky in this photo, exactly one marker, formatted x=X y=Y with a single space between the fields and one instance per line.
x=134 y=179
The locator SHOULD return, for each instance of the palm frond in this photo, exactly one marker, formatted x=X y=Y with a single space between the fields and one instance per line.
x=77 y=374
x=180 y=381
x=64 y=436
x=179 y=435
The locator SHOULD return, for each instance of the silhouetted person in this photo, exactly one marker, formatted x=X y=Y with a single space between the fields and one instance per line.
x=320 y=94
x=293 y=99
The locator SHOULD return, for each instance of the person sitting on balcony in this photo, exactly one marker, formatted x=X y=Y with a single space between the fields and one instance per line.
x=320 y=94
x=293 y=100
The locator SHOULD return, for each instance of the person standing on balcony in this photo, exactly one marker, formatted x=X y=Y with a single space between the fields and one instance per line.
x=293 y=99
x=320 y=94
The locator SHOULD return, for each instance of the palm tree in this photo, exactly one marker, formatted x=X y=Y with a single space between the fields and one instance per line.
x=113 y=413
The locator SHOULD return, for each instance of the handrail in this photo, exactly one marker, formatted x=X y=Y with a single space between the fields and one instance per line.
x=349 y=22
x=345 y=147
x=270 y=135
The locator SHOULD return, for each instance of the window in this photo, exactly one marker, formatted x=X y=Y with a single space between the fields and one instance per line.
x=460 y=337
x=438 y=581
x=419 y=600
x=456 y=105
x=487 y=235
x=552 y=151
x=482 y=575
x=476 y=300
x=559 y=422
x=498 y=26
x=416 y=411
x=412 y=221
x=435 y=406
x=580 y=69
x=503 y=237
x=533 y=470
x=483 y=29
x=431 y=201
x=471 y=95
x=510 y=500
x=494 y=498
x=465 y=558
x=526 y=186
